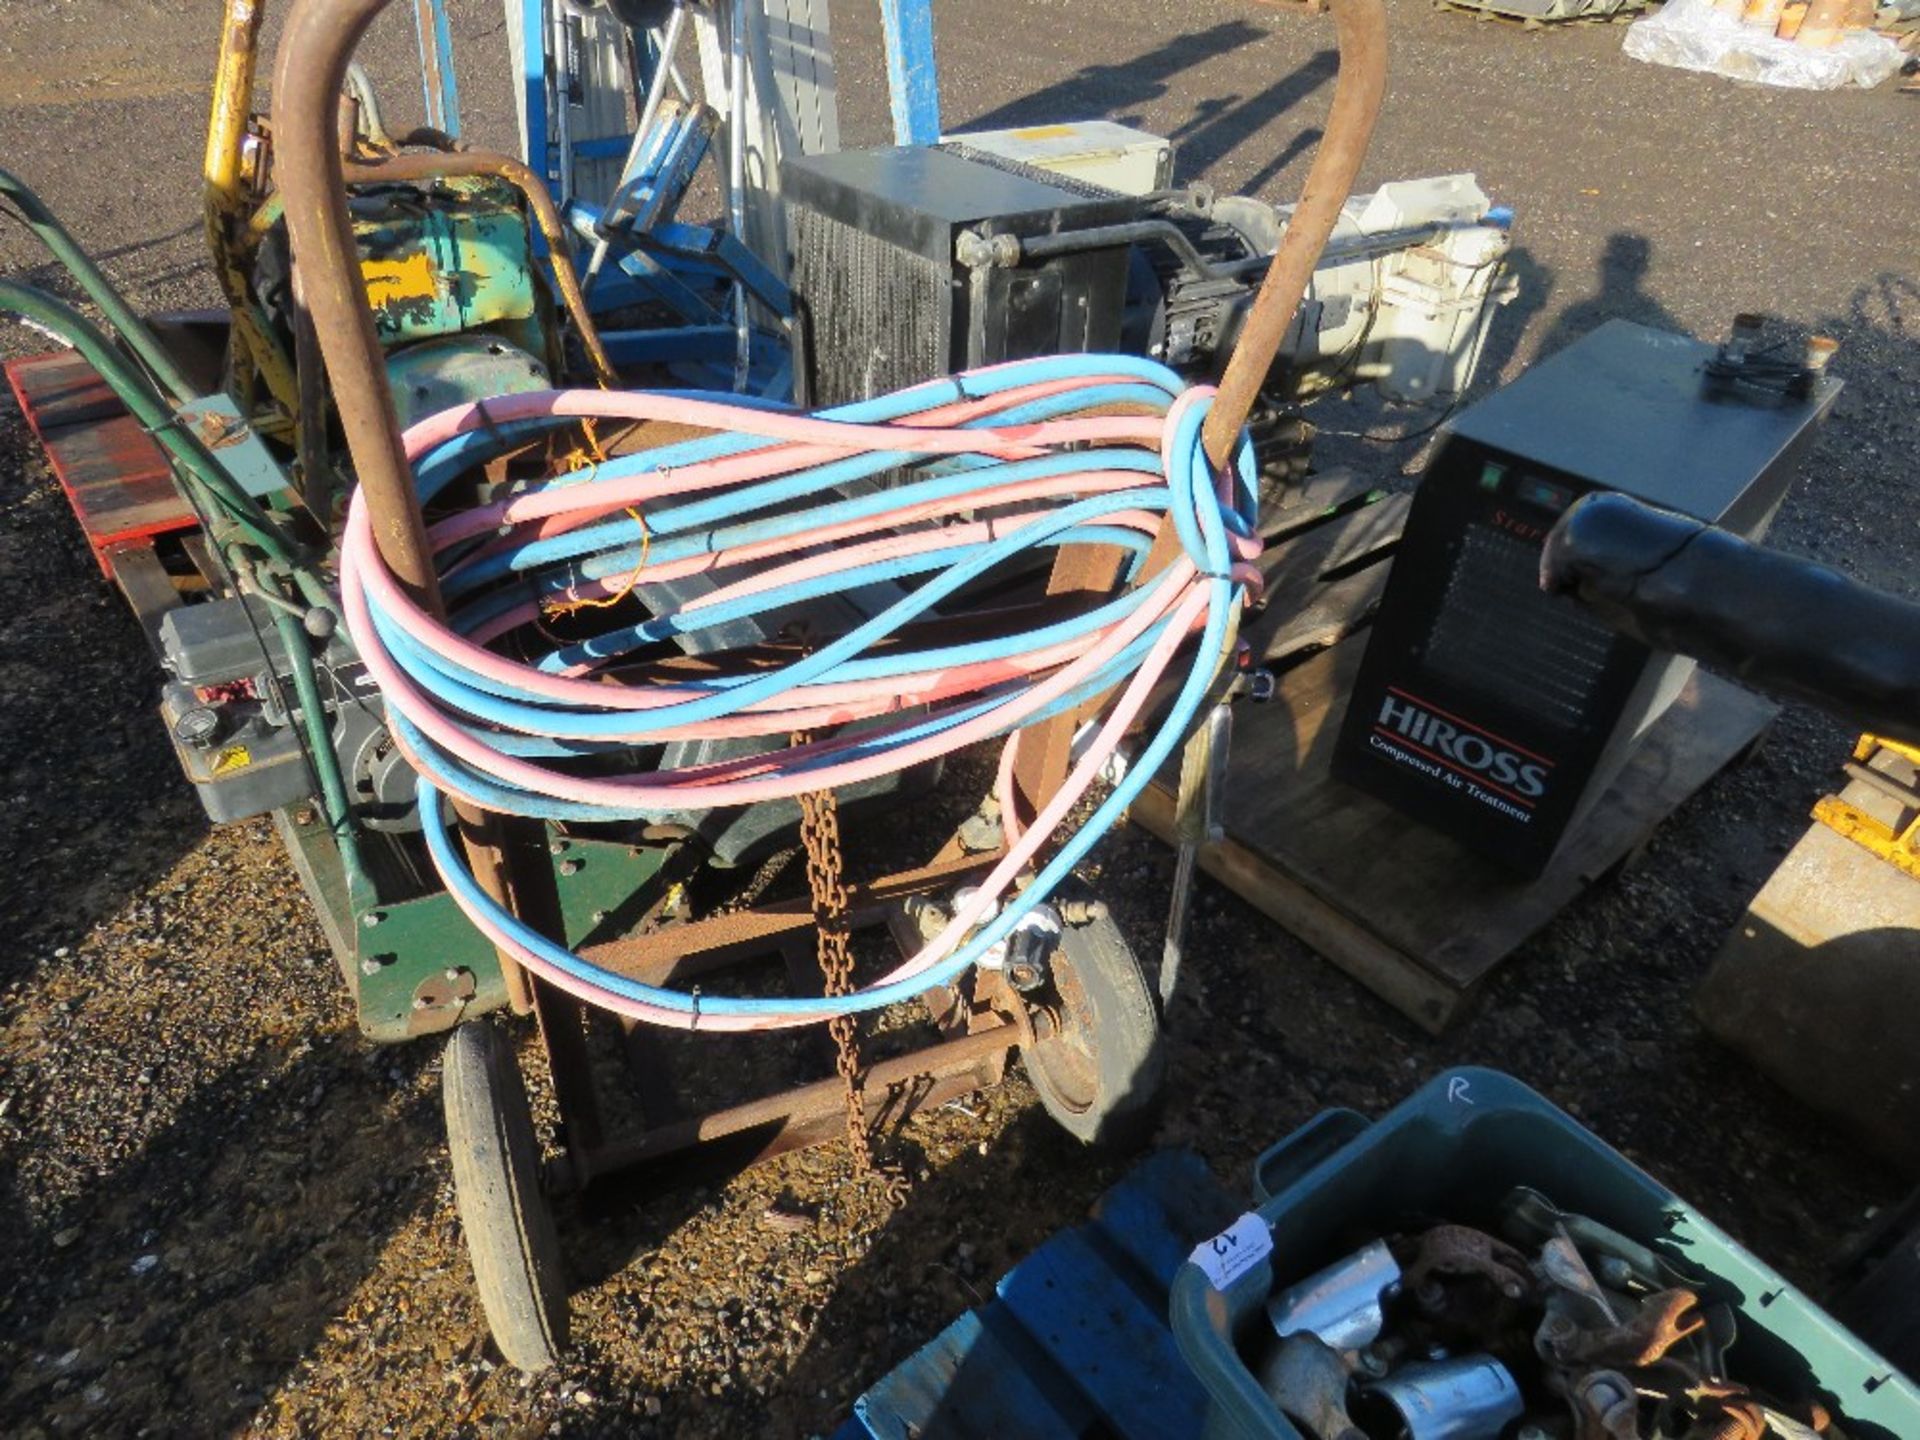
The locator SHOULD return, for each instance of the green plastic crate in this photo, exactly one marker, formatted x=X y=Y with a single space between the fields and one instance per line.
x=1454 y=1149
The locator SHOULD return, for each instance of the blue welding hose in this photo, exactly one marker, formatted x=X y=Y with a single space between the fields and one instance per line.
x=1051 y=454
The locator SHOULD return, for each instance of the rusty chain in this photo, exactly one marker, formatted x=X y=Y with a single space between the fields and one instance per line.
x=827 y=885
x=826 y=868
x=826 y=882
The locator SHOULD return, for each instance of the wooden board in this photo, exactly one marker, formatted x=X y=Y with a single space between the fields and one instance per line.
x=1818 y=984
x=149 y=589
x=116 y=478
x=1324 y=583
x=1407 y=911
x=1327 y=542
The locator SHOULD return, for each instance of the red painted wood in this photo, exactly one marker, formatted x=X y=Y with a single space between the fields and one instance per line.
x=115 y=477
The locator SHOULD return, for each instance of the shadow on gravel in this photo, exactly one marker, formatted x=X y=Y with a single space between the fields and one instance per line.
x=185 y=1288
x=95 y=806
x=623 y=1218
x=1221 y=124
x=152 y=272
x=1879 y=355
x=1854 y=509
x=1620 y=294
x=960 y=1230
x=1217 y=126
x=143 y=277
x=170 y=1256
x=1509 y=322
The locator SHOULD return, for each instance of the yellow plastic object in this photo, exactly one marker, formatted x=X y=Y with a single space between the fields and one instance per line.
x=229 y=196
x=1897 y=843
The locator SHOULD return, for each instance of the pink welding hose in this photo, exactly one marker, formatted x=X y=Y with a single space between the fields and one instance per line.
x=984 y=899
x=479 y=724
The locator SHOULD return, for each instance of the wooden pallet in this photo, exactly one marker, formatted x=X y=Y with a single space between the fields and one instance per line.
x=116 y=479
x=1407 y=911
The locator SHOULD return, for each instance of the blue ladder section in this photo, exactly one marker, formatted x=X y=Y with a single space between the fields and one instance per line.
x=1076 y=1342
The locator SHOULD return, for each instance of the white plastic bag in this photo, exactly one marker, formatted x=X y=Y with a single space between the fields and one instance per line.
x=1693 y=35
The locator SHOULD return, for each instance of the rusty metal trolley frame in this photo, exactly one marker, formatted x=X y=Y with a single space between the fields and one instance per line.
x=509 y=856
x=494 y=1150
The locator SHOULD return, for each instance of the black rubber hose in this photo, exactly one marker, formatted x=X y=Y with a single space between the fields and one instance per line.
x=1780 y=623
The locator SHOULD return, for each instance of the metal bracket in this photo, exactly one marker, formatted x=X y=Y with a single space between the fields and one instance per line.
x=440 y=999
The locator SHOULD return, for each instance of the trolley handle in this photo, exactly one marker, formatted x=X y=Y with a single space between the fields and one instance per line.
x=1778 y=622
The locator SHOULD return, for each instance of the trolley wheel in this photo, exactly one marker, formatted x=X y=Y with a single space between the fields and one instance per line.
x=1099 y=1070
x=496 y=1184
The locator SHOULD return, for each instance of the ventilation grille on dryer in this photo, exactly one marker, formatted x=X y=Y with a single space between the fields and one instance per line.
x=878 y=317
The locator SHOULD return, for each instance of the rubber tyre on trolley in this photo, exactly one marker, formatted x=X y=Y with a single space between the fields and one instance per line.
x=509 y=1228
x=1099 y=1072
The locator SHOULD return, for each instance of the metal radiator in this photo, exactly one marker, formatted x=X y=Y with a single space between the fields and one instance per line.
x=884 y=304
x=877 y=316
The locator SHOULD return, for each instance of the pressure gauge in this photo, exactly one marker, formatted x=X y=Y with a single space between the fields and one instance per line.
x=198 y=727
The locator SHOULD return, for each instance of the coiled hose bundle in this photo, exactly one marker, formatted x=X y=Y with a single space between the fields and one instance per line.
x=985 y=467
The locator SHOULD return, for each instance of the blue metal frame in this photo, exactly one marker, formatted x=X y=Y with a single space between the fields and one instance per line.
x=912 y=82
x=702 y=248
x=533 y=81
x=687 y=269
x=665 y=167
x=436 y=61
x=913 y=78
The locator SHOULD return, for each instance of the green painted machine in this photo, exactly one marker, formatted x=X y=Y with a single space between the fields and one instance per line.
x=418 y=965
x=448 y=259
x=268 y=708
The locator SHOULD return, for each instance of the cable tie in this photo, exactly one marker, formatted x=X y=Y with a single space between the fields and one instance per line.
x=487 y=422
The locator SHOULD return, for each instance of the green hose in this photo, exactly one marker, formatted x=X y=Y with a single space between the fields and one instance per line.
x=194 y=464
x=191 y=459
x=326 y=764
x=130 y=327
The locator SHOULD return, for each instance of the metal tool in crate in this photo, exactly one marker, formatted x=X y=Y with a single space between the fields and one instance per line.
x=1430 y=1333
x=1613 y=1309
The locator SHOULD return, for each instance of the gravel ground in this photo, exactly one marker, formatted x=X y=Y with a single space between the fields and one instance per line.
x=222 y=1212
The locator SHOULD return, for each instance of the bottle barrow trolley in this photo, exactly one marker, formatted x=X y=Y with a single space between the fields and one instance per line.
x=1064 y=989
x=1085 y=1020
